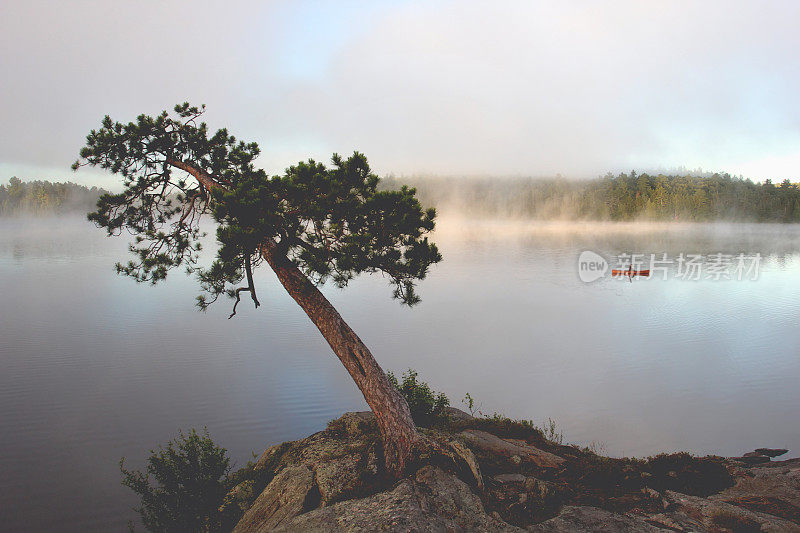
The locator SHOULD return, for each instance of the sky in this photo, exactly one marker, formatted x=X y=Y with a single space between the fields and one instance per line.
x=527 y=88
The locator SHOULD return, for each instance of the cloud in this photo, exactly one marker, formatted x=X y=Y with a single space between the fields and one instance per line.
x=436 y=87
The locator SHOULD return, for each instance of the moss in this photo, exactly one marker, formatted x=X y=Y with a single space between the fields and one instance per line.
x=337 y=427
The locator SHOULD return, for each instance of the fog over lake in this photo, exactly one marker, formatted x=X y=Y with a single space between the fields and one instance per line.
x=95 y=367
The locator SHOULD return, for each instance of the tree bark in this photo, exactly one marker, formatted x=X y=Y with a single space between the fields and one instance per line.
x=397 y=428
x=398 y=431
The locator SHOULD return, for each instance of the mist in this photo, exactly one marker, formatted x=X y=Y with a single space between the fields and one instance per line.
x=44 y=198
x=630 y=196
x=455 y=88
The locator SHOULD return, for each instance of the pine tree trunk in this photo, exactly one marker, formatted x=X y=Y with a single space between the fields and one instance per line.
x=391 y=410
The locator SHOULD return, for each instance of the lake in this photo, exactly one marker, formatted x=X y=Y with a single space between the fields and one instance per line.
x=94 y=367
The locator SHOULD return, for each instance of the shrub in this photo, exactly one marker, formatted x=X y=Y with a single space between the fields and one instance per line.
x=504 y=427
x=427 y=407
x=189 y=483
x=469 y=401
x=552 y=433
x=682 y=472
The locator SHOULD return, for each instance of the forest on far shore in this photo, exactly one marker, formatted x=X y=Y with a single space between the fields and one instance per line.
x=46 y=197
x=622 y=197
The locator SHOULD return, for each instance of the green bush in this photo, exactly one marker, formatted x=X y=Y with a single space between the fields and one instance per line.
x=505 y=427
x=427 y=407
x=189 y=483
x=683 y=472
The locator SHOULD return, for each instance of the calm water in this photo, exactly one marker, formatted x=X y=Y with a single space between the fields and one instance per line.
x=94 y=367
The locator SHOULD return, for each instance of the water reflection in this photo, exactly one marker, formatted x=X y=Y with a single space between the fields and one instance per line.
x=95 y=367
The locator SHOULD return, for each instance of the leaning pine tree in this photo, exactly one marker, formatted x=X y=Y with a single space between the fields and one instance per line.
x=311 y=224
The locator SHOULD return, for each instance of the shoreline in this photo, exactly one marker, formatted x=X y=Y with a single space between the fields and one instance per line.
x=503 y=475
x=448 y=223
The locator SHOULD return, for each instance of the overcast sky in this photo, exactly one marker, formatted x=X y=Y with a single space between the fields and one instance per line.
x=497 y=88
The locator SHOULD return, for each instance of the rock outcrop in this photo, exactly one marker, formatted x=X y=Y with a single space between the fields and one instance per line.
x=497 y=475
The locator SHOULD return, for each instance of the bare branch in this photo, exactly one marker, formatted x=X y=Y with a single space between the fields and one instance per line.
x=248 y=268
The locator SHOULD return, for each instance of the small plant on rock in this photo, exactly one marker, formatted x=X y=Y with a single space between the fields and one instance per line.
x=552 y=433
x=473 y=409
x=427 y=407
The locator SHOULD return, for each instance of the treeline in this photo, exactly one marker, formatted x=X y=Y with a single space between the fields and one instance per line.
x=46 y=197
x=622 y=197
